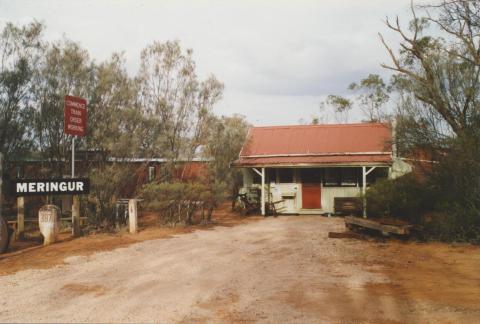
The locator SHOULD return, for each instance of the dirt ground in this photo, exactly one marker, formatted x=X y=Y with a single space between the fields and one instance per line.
x=30 y=254
x=271 y=270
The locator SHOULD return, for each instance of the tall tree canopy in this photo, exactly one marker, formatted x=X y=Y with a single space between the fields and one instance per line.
x=65 y=69
x=439 y=74
x=20 y=52
x=171 y=94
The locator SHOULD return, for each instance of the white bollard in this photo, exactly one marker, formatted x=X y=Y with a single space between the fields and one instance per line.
x=132 y=215
x=49 y=223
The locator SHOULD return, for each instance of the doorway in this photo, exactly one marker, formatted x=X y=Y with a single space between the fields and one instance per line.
x=311 y=188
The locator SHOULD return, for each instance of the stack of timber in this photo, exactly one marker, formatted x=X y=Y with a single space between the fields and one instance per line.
x=384 y=226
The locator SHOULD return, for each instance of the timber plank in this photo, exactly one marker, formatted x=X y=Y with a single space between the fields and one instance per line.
x=371 y=224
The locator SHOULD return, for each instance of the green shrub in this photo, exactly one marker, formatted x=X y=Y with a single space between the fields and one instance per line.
x=456 y=183
x=106 y=183
x=450 y=227
x=406 y=198
x=178 y=202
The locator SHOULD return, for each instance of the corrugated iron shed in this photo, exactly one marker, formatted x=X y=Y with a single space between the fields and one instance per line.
x=317 y=144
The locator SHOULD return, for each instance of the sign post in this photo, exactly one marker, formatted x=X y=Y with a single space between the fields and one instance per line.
x=73 y=157
x=75 y=124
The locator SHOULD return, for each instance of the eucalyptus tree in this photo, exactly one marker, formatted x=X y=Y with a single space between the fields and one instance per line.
x=20 y=51
x=436 y=74
x=112 y=136
x=111 y=128
x=439 y=72
x=373 y=95
x=65 y=70
x=225 y=139
x=178 y=104
x=340 y=106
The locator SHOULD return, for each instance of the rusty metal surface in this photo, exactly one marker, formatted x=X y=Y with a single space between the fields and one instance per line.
x=317 y=144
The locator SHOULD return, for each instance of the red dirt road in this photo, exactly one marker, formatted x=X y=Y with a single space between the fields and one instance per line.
x=272 y=270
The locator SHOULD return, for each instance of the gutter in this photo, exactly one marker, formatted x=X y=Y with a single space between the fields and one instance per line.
x=314 y=154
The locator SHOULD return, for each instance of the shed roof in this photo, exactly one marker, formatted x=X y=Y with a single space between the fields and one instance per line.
x=363 y=143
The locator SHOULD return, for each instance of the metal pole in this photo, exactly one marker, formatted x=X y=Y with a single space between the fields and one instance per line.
x=73 y=157
x=75 y=199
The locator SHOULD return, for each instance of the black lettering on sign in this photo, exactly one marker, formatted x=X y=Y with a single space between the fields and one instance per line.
x=46 y=216
x=31 y=187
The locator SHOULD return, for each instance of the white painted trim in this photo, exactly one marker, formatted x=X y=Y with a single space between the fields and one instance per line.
x=418 y=160
x=258 y=172
x=263 y=191
x=371 y=169
x=307 y=165
x=364 y=190
x=161 y=160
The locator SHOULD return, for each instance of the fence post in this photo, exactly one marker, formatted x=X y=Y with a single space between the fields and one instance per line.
x=76 y=216
x=132 y=215
x=20 y=217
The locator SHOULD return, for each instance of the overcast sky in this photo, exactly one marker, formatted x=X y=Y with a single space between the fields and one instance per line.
x=277 y=59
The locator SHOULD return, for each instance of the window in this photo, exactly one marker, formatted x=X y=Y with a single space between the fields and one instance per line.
x=271 y=176
x=285 y=175
x=311 y=175
x=349 y=177
x=332 y=177
x=257 y=179
x=151 y=173
x=342 y=177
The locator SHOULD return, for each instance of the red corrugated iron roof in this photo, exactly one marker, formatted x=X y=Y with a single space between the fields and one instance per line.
x=317 y=144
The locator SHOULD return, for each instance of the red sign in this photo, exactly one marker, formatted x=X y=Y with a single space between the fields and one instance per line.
x=75 y=116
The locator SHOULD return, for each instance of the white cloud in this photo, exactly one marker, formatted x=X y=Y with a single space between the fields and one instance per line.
x=276 y=58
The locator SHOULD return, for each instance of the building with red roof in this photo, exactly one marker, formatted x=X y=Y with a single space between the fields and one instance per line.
x=306 y=167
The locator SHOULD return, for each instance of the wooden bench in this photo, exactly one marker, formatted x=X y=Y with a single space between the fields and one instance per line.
x=348 y=205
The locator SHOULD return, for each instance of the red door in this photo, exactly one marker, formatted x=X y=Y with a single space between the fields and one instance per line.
x=311 y=196
x=311 y=189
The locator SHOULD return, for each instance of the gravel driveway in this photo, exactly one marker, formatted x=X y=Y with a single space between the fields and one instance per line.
x=273 y=270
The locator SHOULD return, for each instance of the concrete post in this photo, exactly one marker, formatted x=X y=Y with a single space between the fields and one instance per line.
x=76 y=216
x=49 y=222
x=263 y=191
x=20 y=217
x=132 y=215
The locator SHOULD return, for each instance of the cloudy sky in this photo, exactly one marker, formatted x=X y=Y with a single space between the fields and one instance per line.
x=277 y=59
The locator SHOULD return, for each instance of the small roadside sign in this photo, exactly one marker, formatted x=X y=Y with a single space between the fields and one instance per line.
x=75 y=116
